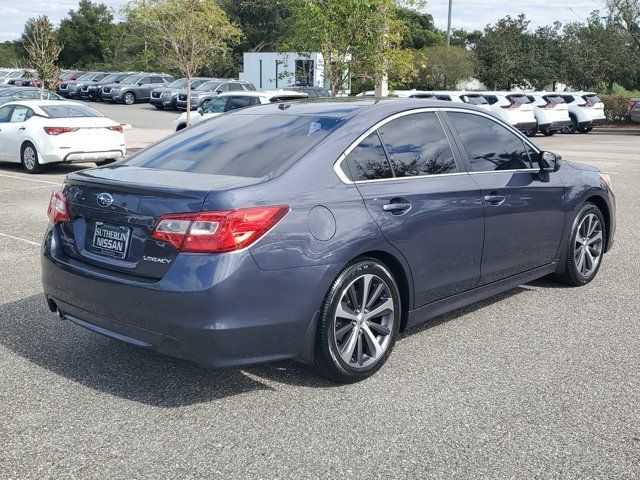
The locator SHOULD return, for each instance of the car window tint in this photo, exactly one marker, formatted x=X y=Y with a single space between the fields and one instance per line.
x=20 y=114
x=223 y=88
x=368 y=161
x=157 y=80
x=5 y=114
x=30 y=94
x=144 y=81
x=235 y=87
x=70 y=111
x=489 y=145
x=417 y=145
x=239 y=144
x=238 y=102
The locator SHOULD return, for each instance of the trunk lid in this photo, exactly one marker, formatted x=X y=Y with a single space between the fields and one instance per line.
x=114 y=209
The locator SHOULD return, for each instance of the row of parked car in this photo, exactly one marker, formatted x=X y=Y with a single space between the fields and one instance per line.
x=529 y=112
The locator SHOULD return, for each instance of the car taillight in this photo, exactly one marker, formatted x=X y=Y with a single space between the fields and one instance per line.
x=58 y=211
x=58 y=130
x=116 y=128
x=217 y=232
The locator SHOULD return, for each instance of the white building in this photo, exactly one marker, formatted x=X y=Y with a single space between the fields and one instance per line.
x=275 y=70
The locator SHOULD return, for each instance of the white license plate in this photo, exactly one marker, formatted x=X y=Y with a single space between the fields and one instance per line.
x=111 y=240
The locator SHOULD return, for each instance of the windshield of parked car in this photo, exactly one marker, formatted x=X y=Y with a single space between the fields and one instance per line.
x=86 y=76
x=208 y=86
x=14 y=74
x=3 y=74
x=131 y=79
x=243 y=145
x=114 y=77
x=69 y=111
x=7 y=92
x=180 y=83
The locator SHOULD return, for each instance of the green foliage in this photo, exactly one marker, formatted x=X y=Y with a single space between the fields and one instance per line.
x=41 y=43
x=616 y=107
x=11 y=53
x=447 y=66
x=85 y=34
x=419 y=30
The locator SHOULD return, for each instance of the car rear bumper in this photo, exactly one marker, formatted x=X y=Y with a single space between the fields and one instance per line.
x=218 y=310
x=525 y=126
x=592 y=123
x=94 y=156
x=555 y=125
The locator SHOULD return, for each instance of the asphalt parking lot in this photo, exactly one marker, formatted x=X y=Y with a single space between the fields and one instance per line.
x=540 y=382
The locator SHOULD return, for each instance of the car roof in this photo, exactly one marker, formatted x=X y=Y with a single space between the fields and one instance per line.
x=261 y=93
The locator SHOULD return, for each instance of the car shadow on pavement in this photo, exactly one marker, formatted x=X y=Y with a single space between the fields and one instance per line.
x=54 y=169
x=30 y=330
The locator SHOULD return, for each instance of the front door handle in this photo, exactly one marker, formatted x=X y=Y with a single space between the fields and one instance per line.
x=396 y=207
x=22 y=128
x=494 y=198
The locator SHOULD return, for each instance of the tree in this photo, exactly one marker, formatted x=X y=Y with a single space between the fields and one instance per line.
x=448 y=66
x=358 y=36
x=546 y=58
x=11 y=53
x=626 y=14
x=462 y=38
x=190 y=32
x=85 y=33
x=41 y=43
x=502 y=52
x=419 y=30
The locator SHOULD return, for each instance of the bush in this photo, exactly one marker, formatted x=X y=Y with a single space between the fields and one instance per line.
x=616 y=107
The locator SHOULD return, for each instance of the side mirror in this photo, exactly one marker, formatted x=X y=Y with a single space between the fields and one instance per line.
x=201 y=110
x=549 y=162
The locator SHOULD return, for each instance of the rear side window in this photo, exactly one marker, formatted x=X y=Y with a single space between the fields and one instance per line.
x=249 y=87
x=368 y=161
x=240 y=144
x=417 y=145
x=157 y=80
x=235 y=87
x=491 y=99
x=489 y=145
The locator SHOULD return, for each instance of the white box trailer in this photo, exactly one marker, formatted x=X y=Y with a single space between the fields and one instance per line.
x=276 y=70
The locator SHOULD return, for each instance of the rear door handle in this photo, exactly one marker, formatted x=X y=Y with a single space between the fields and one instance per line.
x=22 y=128
x=494 y=198
x=396 y=207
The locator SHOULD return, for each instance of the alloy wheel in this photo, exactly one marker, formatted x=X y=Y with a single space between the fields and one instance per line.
x=588 y=245
x=29 y=157
x=364 y=321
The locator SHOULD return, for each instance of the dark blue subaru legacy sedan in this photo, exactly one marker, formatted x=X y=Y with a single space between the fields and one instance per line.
x=317 y=231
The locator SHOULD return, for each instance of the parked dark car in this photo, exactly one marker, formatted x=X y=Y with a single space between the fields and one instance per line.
x=310 y=90
x=210 y=90
x=93 y=91
x=634 y=110
x=166 y=97
x=317 y=231
x=71 y=88
x=135 y=88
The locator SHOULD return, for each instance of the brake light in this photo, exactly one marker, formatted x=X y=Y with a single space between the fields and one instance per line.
x=58 y=211
x=217 y=232
x=58 y=130
x=116 y=128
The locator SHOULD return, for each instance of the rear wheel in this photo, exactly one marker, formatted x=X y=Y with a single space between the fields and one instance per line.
x=29 y=157
x=159 y=107
x=586 y=247
x=532 y=131
x=129 y=98
x=548 y=133
x=359 y=323
x=585 y=129
x=573 y=126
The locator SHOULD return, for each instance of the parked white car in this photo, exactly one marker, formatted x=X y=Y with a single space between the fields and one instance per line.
x=586 y=111
x=472 y=98
x=8 y=75
x=513 y=108
x=39 y=132
x=551 y=112
x=228 y=101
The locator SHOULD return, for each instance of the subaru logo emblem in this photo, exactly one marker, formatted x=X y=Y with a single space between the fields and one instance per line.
x=105 y=200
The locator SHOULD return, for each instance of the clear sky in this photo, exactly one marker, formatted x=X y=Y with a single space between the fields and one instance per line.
x=468 y=14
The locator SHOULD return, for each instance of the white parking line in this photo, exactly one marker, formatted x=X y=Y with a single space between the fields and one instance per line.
x=30 y=179
x=24 y=240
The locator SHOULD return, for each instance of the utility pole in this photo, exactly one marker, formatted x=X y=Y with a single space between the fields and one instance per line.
x=449 y=23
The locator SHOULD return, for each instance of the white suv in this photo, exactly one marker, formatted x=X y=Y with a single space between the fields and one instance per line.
x=228 y=101
x=551 y=112
x=586 y=111
x=513 y=108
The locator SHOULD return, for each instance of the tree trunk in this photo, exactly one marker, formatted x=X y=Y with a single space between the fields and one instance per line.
x=188 y=99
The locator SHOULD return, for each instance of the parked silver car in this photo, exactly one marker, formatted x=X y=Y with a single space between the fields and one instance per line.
x=166 y=97
x=210 y=90
x=136 y=88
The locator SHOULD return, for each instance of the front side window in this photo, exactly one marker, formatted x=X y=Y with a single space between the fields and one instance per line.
x=368 y=161
x=417 y=145
x=217 y=105
x=489 y=145
x=235 y=87
x=144 y=81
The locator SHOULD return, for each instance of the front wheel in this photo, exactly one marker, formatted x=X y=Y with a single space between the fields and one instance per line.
x=129 y=98
x=586 y=247
x=30 y=161
x=359 y=322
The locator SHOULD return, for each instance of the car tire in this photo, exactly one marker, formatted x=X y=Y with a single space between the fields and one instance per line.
x=159 y=107
x=532 y=131
x=356 y=333
x=105 y=162
x=573 y=126
x=129 y=98
x=29 y=159
x=587 y=238
x=549 y=133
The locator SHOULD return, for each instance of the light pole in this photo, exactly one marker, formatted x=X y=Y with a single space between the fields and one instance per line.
x=449 y=23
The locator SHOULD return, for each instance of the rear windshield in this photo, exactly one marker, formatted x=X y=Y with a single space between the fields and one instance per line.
x=554 y=99
x=474 y=99
x=521 y=99
x=69 y=111
x=242 y=145
x=591 y=99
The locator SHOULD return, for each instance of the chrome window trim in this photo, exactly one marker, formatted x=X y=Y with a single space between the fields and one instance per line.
x=337 y=165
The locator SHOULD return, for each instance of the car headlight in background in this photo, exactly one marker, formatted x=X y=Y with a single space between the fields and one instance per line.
x=606 y=179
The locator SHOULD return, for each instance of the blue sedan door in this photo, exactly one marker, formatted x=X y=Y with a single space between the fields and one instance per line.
x=524 y=211
x=425 y=204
